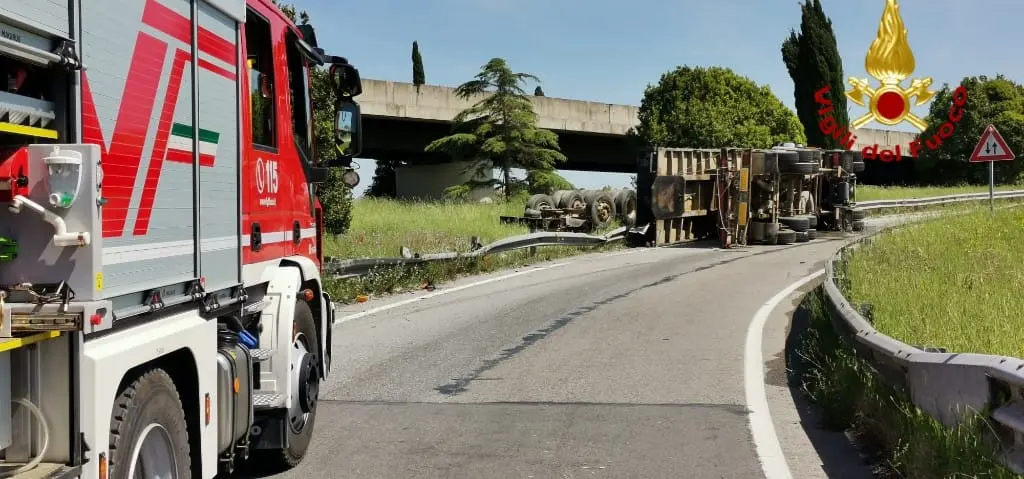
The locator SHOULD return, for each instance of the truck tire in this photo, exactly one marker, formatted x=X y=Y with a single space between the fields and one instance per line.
x=803 y=236
x=787 y=237
x=815 y=168
x=148 y=433
x=858 y=225
x=625 y=206
x=572 y=199
x=557 y=196
x=600 y=210
x=857 y=215
x=771 y=163
x=812 y=234
x=300 y=435
x=787 y=158
x=812 y=221
x=540 y=202
x=771 y=233
x=795 y=223
x=857 y=167
x=797 y=168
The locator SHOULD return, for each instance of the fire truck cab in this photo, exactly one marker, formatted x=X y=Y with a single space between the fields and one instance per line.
x=162 y=312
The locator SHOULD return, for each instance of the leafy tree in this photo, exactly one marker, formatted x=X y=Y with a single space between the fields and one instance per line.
x=997 y=101
x=538 y=91
x=384 y=184
x=546 y=182
x=335 y=196
x=418 y=76
x=500 y=130
x=813 y=61
x=711 y=108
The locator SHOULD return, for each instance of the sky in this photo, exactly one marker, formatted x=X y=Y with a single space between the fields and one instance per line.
x=610 y=50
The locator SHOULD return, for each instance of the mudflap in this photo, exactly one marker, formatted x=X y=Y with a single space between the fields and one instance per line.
x=328 y=349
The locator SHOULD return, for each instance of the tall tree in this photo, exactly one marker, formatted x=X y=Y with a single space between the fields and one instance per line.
x=538 y=91
x=418 y=76
x=335 y=196
x=711 y=108
x=500 y=130
x=812 y=60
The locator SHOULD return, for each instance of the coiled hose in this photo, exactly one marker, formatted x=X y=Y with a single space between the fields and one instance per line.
x=38 y=414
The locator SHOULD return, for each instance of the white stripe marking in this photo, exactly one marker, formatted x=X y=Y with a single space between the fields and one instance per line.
x=766 y=442
x=185 y=144
x=168 y=249
x=435 y=294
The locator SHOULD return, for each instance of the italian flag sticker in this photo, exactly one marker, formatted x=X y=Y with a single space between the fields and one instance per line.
x=179 y=146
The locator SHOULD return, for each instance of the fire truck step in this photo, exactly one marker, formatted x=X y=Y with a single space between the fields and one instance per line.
x=267 y=400
x=256 y=307
x=259 y=354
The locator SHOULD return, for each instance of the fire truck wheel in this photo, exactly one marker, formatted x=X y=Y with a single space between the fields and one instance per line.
x=540 y=202
x=573 y=200
x=795 y=223
x=302 y=411
x=787 y=237
x=148 y=435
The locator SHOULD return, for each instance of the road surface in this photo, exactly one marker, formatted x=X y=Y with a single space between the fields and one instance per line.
x=614 y=365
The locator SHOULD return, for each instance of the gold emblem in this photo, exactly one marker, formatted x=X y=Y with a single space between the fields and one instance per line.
x=890 y=61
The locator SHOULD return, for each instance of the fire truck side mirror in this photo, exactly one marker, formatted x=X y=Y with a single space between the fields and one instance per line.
x=348 y=128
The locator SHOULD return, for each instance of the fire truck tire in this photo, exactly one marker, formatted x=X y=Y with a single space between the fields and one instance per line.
x=857 y=166
x=540 y=202
x=795 y=223
x=803 y=236
x=797 y=168
x=148 y=431
x=625 y=206
x=600 y=209
x=299 y=437
x=787 y=237
x=572 y=199
x=858 y=225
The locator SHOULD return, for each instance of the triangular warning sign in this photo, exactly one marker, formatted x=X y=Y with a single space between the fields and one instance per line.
x=992 y=147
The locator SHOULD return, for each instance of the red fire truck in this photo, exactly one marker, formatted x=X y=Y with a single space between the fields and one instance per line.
x=161 y=305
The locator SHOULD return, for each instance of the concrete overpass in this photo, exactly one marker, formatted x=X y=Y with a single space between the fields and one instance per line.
x=398 y=122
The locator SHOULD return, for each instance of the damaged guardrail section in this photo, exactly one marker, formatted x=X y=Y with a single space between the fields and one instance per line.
x=950 y=387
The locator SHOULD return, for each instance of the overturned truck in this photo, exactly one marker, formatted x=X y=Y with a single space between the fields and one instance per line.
x=782 y=195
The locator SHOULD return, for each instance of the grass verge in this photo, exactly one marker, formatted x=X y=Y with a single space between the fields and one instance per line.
x=381 y=227
x=905 y=442
x=873 y=193
x=952 y=282
x=950 y=208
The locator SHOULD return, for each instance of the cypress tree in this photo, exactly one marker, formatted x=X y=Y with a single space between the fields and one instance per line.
x=418 y=76
x=813 y=61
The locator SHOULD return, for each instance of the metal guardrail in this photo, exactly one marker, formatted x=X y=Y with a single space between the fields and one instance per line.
x=356 y=267
x=950 y=387
x=347 y=268
x=936 y=200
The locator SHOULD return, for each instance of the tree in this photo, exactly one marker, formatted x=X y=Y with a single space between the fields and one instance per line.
x=537 y=91
x=418 y=76
x=546 y=182
x=712 y=108
x=384 y=184
x=997 y=101
x=812 y=60
x=500 y=130
x=335 y=196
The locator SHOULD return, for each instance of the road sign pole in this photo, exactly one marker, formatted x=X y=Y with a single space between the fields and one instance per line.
x=992 y=186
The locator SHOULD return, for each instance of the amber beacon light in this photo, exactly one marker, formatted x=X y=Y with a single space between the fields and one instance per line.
x=890 y=61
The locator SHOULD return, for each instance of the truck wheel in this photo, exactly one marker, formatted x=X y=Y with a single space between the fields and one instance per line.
x=857 y=167
x=858 y=225
x=803 y=236
x=572 y=200
x=812 y=221
x=797 y=168
x=540 y=202
x=787 y=158
x=812 y=234
x=601 y=210
x=795 y=223
x=148 y=435
x=305 y=387
x=787 y=237
x=625 y=205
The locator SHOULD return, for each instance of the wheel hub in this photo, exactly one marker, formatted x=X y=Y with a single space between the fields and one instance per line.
x=153 y=455
x=305 y=384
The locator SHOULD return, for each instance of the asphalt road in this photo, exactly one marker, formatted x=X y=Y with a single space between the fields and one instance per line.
x=615 y=365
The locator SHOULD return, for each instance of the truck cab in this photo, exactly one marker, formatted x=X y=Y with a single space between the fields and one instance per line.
x=162 y=310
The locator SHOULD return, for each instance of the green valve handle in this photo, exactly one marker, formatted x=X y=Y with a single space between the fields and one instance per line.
x=8 y=249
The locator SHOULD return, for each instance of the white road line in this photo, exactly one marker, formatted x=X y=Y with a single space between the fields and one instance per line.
x=386 y=307
x=766 y=442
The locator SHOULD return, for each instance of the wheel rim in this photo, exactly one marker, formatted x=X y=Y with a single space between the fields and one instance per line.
x=577 y=203
x=305 y=385
x=604 y=210
x=631 y=210
x=153 y=455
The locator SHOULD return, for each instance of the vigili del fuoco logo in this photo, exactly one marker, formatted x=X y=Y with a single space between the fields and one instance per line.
x=889 y=61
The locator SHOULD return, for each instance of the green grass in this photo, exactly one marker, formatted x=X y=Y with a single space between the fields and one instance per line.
x=952 y=282
x=381 y=227
x=907 y=442
x=873 y=193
